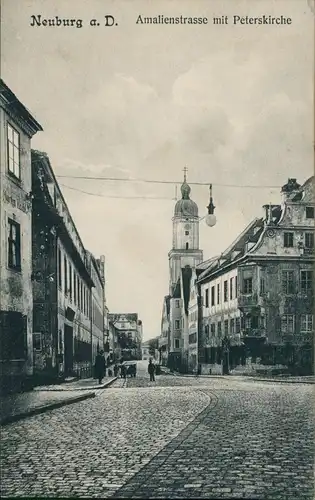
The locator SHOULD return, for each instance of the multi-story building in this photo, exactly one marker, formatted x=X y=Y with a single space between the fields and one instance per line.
x=128 y=328
x=184 y=256
x=17 y=128
x=195 y=317
x=258 y=295
x=68 y=303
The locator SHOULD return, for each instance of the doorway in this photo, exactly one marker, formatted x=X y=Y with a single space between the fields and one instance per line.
x=68 y=350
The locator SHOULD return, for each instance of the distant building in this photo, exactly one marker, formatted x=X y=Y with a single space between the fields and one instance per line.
x=150 y=350
x=128 y=328
x=68 y=284
x=164 y=339
x=17 y=127
x=97 y=271
x=258 y=296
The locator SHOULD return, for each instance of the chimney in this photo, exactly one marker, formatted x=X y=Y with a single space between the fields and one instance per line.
x=289 y=189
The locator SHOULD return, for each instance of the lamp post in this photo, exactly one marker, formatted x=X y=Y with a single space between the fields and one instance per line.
x=211 y=220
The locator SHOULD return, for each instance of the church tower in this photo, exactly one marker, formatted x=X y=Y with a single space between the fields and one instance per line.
x=185 y=249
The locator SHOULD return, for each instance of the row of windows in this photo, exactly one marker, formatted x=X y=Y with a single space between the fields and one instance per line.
x=289 y=286
x=72 y=286
x=288 y=323
x=288 y=282
x=229 y=292
x=288 y=238
x=231 y=327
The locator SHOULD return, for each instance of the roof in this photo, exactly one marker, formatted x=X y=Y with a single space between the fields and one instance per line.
x=12 y=103
x=176 y=290
x=186 y=278
x=205 y=264
x=186 y=207
x=236 y=250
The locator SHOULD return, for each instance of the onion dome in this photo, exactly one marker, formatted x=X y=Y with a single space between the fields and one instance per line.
x=185 y=206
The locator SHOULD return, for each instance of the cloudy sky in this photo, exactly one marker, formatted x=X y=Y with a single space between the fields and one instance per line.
x=232 y=103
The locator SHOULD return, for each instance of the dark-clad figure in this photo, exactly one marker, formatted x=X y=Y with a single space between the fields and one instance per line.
x=116 y=370
x=151 y=370
x=100 y=366
x=123 y=371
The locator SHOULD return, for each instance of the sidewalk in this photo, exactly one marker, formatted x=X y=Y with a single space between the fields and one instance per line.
x=18 y=406
x=78 y=385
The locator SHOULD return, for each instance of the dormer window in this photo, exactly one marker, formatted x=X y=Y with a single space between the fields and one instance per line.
x=309 y=212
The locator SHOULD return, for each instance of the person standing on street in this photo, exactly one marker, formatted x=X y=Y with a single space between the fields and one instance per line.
x=100 y=366
x=151 y=370
x=123 y=371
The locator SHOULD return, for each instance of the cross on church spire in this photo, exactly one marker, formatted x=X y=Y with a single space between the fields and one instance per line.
x=185 y=170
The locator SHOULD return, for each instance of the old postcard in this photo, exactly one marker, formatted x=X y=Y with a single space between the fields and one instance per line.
x=157 y=249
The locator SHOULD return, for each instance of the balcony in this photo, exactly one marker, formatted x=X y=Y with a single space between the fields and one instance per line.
x=253 y=332
x=249 y=301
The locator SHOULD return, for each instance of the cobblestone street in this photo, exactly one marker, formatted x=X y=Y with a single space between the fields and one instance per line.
x=174 y=438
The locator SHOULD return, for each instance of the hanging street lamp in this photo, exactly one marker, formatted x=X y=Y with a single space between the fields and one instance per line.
x=210 y=217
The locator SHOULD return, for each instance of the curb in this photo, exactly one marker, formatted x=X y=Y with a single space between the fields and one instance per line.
x=243 y=378
x=94 y=388
x=288 y=381
x=42 y=409
x=108 y=384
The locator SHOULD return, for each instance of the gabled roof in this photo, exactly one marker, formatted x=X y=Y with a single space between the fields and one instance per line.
x=176 y=291
x=186 y=278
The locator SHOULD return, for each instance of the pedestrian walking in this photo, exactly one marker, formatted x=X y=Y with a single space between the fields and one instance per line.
x=110 y=373
x=100 y=366
x=123 y=371
x=151 y=370
x=115 y=370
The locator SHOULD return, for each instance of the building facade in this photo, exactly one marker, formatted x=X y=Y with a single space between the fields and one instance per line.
x=257 y=297
x=68 y=284
x=18 y=127
x=97 y=304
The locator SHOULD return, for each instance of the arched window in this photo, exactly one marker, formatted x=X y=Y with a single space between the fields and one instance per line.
x=187 y=246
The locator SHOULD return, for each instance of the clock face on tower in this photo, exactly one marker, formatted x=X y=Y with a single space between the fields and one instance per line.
x=187 y=227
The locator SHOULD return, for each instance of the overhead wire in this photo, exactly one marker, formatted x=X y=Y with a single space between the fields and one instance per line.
x=117 y=196
x=157 y=181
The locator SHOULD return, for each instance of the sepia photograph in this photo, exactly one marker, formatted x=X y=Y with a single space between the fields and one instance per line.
x=157 y=211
